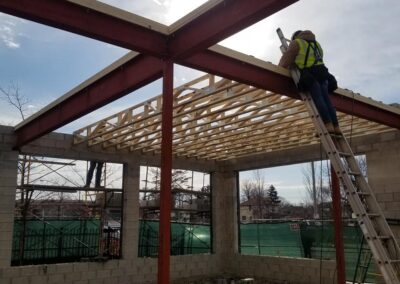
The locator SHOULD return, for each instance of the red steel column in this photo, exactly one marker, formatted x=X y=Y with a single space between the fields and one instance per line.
x=337 y=217
x=166 y=169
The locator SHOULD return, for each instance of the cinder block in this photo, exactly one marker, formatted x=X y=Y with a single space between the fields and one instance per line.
x=64 y=268
x=97 y=281
x=5 y=237
x=5 y=280
x=71 y=277
x=111 y=280
x=81 y=282
x=102 y=273
x=117 y=272
x=19 y=280
x=29 y=270
x=88 y=275
x=79 y=267
x=111 y=264
x=10 y=272
x=56 y=278
x=41 y=279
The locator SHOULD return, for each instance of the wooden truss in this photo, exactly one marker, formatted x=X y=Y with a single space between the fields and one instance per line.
x=217 y=119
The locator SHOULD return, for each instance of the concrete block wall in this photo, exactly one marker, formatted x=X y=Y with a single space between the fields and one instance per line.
x=124 y=271
x=383 y=166
x=284 y=269
x=130 y=225
x=8 y=182
x=130 y=269
x=224 y=208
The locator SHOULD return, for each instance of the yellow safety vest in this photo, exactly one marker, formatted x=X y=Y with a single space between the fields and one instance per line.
x=315 y=54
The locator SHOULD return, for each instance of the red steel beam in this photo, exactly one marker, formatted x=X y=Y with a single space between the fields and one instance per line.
x=237 y=70
x=130 y=76
x=88 y=22
x=243 y=72
x=166 y=178
x=220 y=22
x=337 y=219
x=144 y=69
x=366 y=111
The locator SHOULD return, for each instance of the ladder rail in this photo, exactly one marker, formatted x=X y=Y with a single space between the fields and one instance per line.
x=370 y=200
x=373 y=224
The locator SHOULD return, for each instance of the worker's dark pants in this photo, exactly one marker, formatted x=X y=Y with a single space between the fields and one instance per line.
x=91 y=171
x=320 y=95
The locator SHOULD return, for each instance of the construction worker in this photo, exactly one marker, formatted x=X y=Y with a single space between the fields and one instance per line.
x=305 y=53
x=89 y=176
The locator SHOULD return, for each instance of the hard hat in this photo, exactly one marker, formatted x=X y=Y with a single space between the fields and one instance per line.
x=295 y=34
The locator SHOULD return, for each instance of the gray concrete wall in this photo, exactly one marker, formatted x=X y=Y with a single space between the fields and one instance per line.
x=224 y=221
x=129 y=269
x=8 y=182
x=225 y=261
x=383 y=160
x=285 y=269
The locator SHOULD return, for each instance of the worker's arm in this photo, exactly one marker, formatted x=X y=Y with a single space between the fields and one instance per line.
x=289 y=57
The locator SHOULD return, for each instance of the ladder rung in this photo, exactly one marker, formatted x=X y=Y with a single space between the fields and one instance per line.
x=354 y=173
x=344 y=154
x=335 y=135
x=363 y=193
x=384 y=237
x=373 y=215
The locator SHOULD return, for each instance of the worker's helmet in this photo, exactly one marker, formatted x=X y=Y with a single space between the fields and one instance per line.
x=295 y=34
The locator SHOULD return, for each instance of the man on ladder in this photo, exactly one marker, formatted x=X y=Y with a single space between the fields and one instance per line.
x=312 y=76
x=306 y=53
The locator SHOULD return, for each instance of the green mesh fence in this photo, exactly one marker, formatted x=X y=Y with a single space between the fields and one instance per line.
x=306 y=239
x=281 y=239
x=55 y=241
x=68 y=240
x=185 y=238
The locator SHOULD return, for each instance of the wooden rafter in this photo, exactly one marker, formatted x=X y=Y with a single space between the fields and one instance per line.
x=216 y=119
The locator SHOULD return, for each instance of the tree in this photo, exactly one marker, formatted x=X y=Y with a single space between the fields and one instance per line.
x=12 y=96
x=254 y=192
x=273 y=195
x=274 y=200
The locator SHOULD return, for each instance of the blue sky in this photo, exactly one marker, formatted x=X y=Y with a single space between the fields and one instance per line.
x=360 y=39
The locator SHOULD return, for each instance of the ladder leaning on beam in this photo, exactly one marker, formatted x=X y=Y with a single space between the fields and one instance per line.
x=372 y=222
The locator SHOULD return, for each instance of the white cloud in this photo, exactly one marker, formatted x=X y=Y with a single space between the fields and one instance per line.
x=8 y=31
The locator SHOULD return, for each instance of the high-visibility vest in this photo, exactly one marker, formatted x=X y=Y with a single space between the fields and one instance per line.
x=315 y=54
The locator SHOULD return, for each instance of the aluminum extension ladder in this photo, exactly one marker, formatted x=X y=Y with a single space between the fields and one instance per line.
x=372 y=222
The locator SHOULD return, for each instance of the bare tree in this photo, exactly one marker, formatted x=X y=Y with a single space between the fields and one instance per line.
x=12 y=96
x=255 y=192
x=246 y=192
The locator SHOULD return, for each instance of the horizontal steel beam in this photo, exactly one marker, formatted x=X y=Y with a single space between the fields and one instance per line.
x=88 y=22
x=136 y=73
x=365 y=110
x=220 y=22
x=242 y=72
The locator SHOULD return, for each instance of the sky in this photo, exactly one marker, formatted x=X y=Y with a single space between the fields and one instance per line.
x=360 y=39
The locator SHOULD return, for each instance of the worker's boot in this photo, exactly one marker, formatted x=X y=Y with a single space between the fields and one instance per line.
x=329 y=127
x=337 y=130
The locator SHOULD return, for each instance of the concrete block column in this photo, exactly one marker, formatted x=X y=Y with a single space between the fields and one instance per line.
x=383 y=169
x=224 y=212
x=130 y=231
x=8 y=184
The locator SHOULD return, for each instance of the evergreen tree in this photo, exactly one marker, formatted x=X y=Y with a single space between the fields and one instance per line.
x=273 y=195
